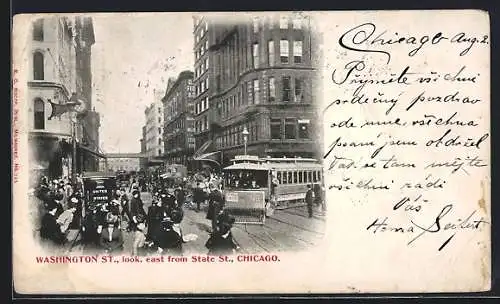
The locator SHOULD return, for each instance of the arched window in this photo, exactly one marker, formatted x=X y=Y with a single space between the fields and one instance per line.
x=39 y=114
x=38 y=66
x=38 y=30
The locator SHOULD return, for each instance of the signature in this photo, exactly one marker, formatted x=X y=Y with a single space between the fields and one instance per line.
x=438 y=224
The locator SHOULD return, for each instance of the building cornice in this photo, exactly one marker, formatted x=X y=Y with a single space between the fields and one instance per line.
x=48 y=134
x=49 y=84
x=184 y=75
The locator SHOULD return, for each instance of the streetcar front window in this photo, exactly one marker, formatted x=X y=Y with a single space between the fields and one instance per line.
x=246 y=179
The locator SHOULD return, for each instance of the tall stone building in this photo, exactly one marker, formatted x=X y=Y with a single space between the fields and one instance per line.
x=178 y=110
x=143 y=164
x=201 y=82
x=263 y=75
x=89 y=151
x=56 y=73
x=154 y=128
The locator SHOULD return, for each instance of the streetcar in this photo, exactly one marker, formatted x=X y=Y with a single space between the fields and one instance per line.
x=173 y=175
x=254 y=187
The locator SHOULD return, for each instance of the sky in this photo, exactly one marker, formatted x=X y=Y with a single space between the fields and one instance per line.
x=135 y=54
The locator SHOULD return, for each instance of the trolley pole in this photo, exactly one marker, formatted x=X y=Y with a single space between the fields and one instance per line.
x=245 y=138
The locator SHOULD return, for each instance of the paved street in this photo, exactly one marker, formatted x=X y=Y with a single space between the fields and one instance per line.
x=286 y=230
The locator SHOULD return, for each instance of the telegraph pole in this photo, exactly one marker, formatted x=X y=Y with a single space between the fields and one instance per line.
x=73 y=161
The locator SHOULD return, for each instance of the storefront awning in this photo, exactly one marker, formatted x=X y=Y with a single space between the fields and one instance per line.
x=202 y=149
x=39 y=166
x=210 y=157
x=100 y=155
x=155 y=162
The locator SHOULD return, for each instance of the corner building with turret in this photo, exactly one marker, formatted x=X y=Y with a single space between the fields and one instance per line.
x=261 y=76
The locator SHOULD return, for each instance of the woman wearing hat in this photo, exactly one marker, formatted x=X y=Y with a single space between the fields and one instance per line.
x=58 y=198
x=111 y=238
x=169 y=241
x=67 y=217
x=136 y=208
x=139 y=244
x=170 y=201
x=50 y=230
x=221 y=241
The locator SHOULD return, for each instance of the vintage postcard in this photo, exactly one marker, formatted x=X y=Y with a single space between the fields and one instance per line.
x=270 y=152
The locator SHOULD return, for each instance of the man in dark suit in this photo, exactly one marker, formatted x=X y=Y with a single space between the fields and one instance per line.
x=180 y=196
x=309 y=200
x=198 y=196
x=136 y=208
x=154 y=218
x=215 y=205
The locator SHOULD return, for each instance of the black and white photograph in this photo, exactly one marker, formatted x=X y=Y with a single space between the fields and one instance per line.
x=242 y=152
x=216 y=137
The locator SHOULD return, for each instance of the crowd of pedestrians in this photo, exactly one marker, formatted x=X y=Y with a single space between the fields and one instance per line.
x=64 y=218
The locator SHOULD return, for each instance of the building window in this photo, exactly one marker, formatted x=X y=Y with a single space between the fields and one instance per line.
x=255 y=25
x=256 y=91
x=159 y=119
x=270 y=46
x=297 y=23
x=303 y=128
x=159 y=130
x=217 y=83
x=286 y=88
x=255 y=55
x=271 y=89
x=283 y=22
x=206 y=83
x=284 y=51
x=297 y=51
x=298 y=90
x=39 y=114
x=250 y=92
x=159 y=152
x=159 y=141
x=38 y=66
x=275 y=128
x=290 y=130
x=270 y=23
x=38 y=30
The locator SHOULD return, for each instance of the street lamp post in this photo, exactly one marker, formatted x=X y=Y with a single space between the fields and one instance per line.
x=245 y=138
x=74 y=121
